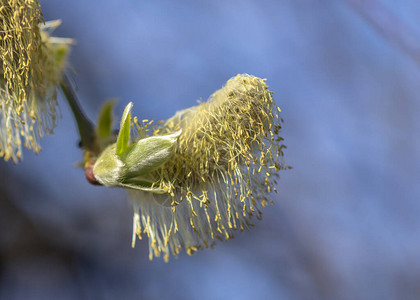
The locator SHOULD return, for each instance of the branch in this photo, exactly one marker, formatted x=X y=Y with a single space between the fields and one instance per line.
x=86 y=130
x=84 y=125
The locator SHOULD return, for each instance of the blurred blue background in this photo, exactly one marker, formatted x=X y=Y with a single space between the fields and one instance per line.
x=345 y=224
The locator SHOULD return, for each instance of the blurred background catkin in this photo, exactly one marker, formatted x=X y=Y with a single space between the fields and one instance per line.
x=345 y=224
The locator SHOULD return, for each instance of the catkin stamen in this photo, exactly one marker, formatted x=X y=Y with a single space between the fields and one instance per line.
x=222 y=170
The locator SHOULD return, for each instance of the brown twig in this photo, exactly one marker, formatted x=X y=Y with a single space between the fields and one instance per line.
x=86 y=130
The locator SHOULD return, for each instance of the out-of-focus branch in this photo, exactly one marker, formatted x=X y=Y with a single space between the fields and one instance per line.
x=393 y=28
x=85 y=126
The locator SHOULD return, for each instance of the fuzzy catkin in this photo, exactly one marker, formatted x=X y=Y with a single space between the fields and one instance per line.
x=32 y=66
x=224 y=167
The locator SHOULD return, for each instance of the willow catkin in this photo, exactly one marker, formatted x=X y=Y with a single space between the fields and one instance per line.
x=32 y=65
x=224 y=167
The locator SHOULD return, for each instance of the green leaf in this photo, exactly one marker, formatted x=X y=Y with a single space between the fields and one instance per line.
x=148 y=154
x=105 y=119
x=124 y=134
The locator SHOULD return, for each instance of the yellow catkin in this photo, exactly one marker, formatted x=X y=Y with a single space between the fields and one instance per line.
x=32 y=64
x=224 y=166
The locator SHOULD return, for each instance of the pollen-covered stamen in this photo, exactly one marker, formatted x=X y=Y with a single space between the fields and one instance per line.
x=32 y=65
x=223 y=169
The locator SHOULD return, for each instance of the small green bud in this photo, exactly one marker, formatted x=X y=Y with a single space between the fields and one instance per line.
x=108 y=167
x=130 y=166
x=148 y=154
